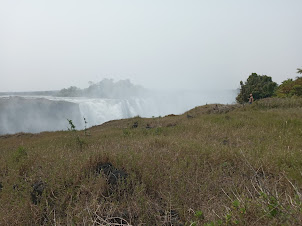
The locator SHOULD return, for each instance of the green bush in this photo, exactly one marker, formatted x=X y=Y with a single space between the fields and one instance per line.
x=290 y=88
x=261 y=86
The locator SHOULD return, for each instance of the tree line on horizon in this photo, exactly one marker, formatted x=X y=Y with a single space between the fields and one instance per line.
x=262 y=86
x=106 y=88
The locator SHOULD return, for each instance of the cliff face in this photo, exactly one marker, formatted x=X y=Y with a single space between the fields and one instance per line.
x=18 y=114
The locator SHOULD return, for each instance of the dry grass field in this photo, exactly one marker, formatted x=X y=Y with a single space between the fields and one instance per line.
x=213 y=165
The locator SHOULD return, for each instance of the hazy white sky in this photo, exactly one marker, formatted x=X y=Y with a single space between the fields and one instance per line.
x=188 y=44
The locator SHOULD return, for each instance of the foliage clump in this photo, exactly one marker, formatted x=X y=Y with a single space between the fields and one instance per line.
x=72 y=91
x=290 y=88
x=261 y=86
x=106 y=88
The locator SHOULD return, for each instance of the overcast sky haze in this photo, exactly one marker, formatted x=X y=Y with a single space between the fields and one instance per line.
x=174 y=44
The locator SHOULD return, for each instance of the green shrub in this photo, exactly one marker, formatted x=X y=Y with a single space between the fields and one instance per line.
x=290 y=88
x=261 y=86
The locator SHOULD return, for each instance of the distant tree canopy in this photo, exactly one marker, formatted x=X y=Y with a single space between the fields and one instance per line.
x=299 y=70
x=106 y=88
x=72 y=91
x=290 y=88
x=261 y=86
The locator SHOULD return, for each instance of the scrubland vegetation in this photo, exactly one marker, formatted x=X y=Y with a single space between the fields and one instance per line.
x=214 y=165
x=262 y=86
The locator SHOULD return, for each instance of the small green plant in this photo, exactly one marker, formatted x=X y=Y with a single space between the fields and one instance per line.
x=80 y=142
x=19 y=154
x=236 y=204
x=71 y=125
x=86 y=132
x=228 y=218
x=199 y=214
x=126 y=132
x=272 y=205
x=158 y=131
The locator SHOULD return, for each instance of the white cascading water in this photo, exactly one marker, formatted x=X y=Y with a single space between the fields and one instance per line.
x=42 y=115
x=97 y=111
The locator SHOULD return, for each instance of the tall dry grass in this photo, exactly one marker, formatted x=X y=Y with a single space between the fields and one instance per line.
x=227 y=164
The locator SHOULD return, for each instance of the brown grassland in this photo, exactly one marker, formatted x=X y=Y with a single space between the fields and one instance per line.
x=214 y=165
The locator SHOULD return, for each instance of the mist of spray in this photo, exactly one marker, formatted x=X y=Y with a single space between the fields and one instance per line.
x=114 y=101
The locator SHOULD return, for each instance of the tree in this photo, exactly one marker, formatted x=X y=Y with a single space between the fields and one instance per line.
x=290 y=88
x=261 y=86
x=284 y=90
x=72 y=91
